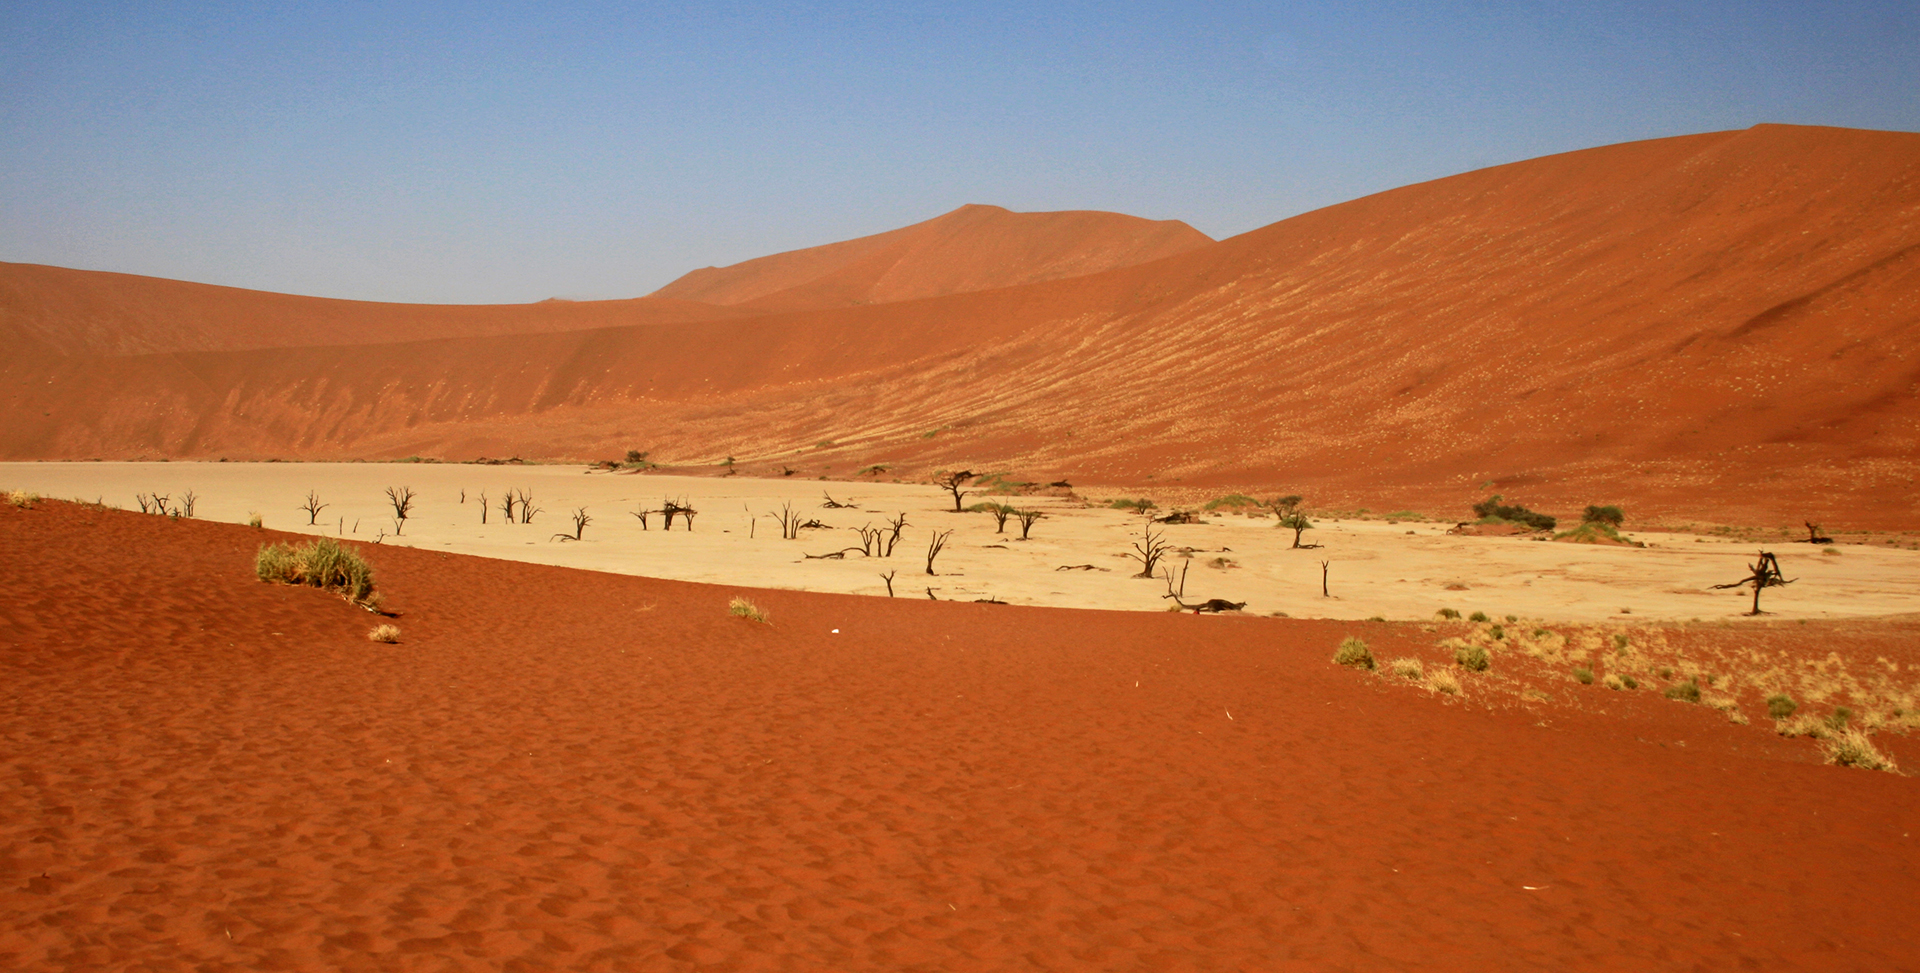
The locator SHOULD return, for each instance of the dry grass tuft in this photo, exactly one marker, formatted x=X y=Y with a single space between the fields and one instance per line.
x=23 y=499
x=322 y=563
x=385 y=633
x=1354 y=652
x=742 y=608
x=1444 y=681
x=1852 y=748
x=1408 y=668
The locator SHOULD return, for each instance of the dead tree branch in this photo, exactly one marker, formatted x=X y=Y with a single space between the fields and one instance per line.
x=934 y=546
x=313 y=506
x=1762 y=574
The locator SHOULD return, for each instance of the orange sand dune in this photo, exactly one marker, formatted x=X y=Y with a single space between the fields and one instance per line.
x=1712 y=327
x=556 y=769
x=973 y=248
x=81 y=312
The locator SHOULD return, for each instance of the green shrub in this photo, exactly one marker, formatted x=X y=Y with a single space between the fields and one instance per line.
x=1610 y=516
x=1472 y=658
x=1688 y=691
x=1354 y=652
x=1584 y=675
x=322 y=563
x=1232 y=501
x=1377 y=618
x=1491 y=510
x=1141 y=505
x=1619 y=643
x=1477 y=617
x=1499 y=633
x=1448 y=613
x=1629 y=682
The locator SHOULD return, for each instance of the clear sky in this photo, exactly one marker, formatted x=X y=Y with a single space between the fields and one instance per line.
x=495 y=152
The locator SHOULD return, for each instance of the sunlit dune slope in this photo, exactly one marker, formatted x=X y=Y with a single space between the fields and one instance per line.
x=81 y=312
x=973 y=248
x=1714 y=325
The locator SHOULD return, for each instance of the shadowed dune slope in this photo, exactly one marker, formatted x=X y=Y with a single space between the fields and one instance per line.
x=556 y=769
x=82 y=312
x=973 y=248
x=1711 y=325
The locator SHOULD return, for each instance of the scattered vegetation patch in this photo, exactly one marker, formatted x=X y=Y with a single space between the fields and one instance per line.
x=1688 y=692
x=1353 y=652
x=1238 y=503
x=1492 y=511
x=1443 y=681
x=1472 y=658
x=1609 y=516
x=322 y=563
x=1595 y=533
x=1585 y=676
x=1140 y=506
x=1615 y=682
x=742 y=608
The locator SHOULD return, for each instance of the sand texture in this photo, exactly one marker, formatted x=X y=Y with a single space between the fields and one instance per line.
x=1715 y=327
x=562 y=769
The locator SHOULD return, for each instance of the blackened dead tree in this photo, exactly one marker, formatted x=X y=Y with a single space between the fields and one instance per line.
x=1813 y=534
x=896 y=525
x=888 y=578
x=641 y=513
x=1764 y=573
x=1177 y=590
x=580 y=522
x=483 y=507
x=527 y=509
x=870 y=538
x=313 y=506
x=952 y=482
x=1026 y=518
x=935 y=545
x=1323 y=578
x=1149 y=550
x=789 y=521
x=833 y=504
x=187 y=500
x=402 y=500
x=507 y=503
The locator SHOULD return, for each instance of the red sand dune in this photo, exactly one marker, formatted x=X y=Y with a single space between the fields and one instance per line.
x=564 y=770
x=973 y=248
x=1715 y=327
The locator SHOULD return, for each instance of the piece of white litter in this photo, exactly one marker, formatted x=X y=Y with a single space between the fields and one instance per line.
x=1535 y=888
x=1227 y=711
x=836 y=631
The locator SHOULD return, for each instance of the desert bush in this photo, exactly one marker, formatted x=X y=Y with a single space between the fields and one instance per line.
x=1838 y=720
x=1408 y=669
x=1609 y=515
x=1613 y=682
x=1853 y=748
x=1472 y=658
x=1498 y=633
x=1448 y=613
x=1620 y=642
x=1141 y=505
x=1688 y=692
x=1237 y=502
x=743 y=608
x=1443 y=681
x=1477 y=617
x=253 y=519
x=1664 y=672
x=322 y=563
x=23 y=499
x=1354 y=652
x=1491 y=510
x=385 y=633
x=1780 y=706
x=1585 y=676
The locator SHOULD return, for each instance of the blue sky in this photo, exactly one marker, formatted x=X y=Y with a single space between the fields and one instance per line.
x=489 y=152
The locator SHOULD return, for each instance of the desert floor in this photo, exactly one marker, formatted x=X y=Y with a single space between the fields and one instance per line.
x=1395 y=571
x=562 y=769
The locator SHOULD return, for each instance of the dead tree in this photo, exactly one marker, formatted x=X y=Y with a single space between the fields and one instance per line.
x=1179 y=591
x=402 y=500
x=313 y=506
x=1323 y=579
x=897 y=524
x=871 y=538
x=187 y=500
x=507 y=503
x=952 y=482
x=1149 y=550
x=527 y=509
x=934 y=546
x=641 y=513
x=788 y=519
x=483 y=507
x=580 y=522
x=833 y=504
x=888 y=578
x=1026 y=518
x=1764 y=573
x=1814 y=536
x=670 y=509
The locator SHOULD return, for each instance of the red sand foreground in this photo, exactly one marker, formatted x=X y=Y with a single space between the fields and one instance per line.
x=564 y=770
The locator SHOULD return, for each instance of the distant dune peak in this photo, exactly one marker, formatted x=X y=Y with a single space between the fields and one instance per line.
x=973 y=248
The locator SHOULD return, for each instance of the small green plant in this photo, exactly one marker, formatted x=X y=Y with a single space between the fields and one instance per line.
x=1354 y=652
x=1585 y=676
x=1780 y=706
x=1477 y=617
x=1630 y=682
x=1838 y=720
x=1620 y=642
x=385 y=633
x=1448 y=613
x=1232 y=501
x=742 y=608
x=1686 y=692
x=1492 y=511
x=322 y=563
x=1408 y=669
x=1498 y=633
x=253 y=519
x=1472 y=658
